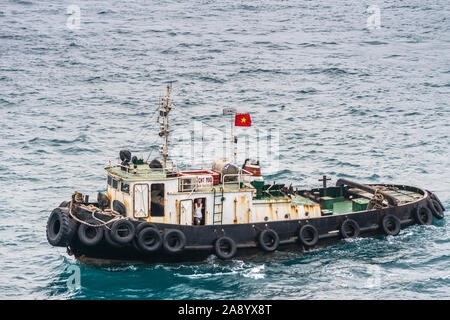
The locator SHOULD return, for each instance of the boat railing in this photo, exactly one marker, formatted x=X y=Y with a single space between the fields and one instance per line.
x=171 y=167
x=230 y=182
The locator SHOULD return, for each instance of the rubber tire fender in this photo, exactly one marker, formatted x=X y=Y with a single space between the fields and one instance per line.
x=125 y=155
x=139 y=227
x=83 y=230
x=422 y=212
x=178 y=236
x=109 y=240
x=436 y=209
x=275 y=239
x=142 y=240
x=60 y=228
x=119 y=207
x=302 y=235
x=143 y=225
x=435 y=197
x=103 y=200
x=385 y=227
x=354 y=225
x=220 y=253
x=115 y=228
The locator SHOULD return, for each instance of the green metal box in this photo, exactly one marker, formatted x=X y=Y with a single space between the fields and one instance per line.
x=327 y=202
x=359 y=204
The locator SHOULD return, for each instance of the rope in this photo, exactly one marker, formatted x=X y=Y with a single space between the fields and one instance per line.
x=102 y=223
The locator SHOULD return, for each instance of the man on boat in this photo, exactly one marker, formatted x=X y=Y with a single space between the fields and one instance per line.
x=198 y=206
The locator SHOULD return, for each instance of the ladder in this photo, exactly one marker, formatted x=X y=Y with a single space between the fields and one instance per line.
x=218 y=206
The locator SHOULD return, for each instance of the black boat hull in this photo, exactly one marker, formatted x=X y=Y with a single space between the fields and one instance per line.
x=200 y=240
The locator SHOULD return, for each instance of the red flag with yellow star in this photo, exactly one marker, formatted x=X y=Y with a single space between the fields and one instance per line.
x=242 y=120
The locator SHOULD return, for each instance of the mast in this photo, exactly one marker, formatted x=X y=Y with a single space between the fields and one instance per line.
x=163 y=121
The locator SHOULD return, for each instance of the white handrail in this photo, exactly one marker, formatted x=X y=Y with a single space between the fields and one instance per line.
x=239 y=175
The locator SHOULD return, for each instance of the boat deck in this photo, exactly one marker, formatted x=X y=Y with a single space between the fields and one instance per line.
x=333 y=202
x=400 y=195
x=140 y=173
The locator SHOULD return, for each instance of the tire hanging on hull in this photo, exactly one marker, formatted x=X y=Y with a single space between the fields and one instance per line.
x=350 y=229
x=149 y=240
x=225 y=248
x=122 y=231
x=423 y=215
x=139 y=228
x=174 y=241
x=391 y=225
x=436 y=209
x=308 y=235
x=60 y=228
x=91 y=233
x=269 y=240
x=109 y=240
x=435 y=197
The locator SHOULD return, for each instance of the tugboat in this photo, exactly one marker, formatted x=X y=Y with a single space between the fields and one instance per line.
x=154 y=213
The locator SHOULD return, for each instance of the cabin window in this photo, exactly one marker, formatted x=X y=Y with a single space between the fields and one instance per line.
x=115 y=184
x=187 y=184
x=157 y=200
x=110 y=181
x=125 y=187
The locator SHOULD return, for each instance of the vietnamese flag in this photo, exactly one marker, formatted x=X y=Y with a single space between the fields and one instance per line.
x=242 y=120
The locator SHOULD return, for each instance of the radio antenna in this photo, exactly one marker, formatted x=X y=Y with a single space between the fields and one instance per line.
x=163 y=121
